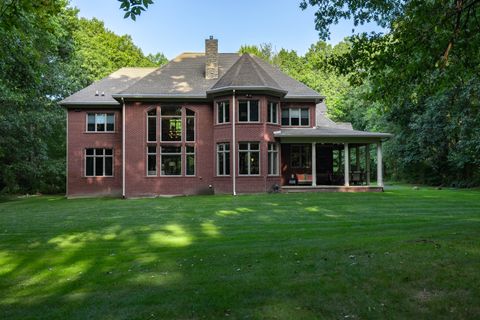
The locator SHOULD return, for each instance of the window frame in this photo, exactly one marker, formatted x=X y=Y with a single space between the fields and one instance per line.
x=308 y=156
x=224 y=162
x=156 y=161
x=105 y=114
x=194 y=153
x=248 y=111
x=181 y=116
x=276 y=152
x=269 y=112
x=249 y=151
x=225 y=104
x=194 y=117
x=156 y=124
x=94 y=156
x=161 y=160
x=299 y=117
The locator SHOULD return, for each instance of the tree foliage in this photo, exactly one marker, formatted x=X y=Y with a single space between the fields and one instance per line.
x=134 y=8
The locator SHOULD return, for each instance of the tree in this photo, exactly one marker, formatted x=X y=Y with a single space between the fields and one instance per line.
x=134 y=8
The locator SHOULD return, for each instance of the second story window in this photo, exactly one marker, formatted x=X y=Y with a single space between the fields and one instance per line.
x=190 y=124
x=100 y=122
x=295 y=117
x=272 y=115
x=152 y=125
x=223 y=112
x=171 y=123
x=248 y=111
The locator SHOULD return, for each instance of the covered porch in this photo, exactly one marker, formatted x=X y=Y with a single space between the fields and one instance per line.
x=326 y=159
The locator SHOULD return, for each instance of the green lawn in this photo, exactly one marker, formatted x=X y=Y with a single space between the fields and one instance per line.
x=403 y=254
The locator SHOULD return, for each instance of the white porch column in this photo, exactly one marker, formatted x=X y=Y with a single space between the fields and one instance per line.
x=314 y=164
x=347 y=164
x=379 y=165
x=367 y=163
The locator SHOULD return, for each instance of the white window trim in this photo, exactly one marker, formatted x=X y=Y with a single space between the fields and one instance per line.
x=94 y=163
x=156 y=124
x=270 y=163
x=248 y=111
x=299 y=118
x=181 y=163
x=224 y=162
x=269 y=111
x=248 y=151
x=222 y=104
x=194 y=160
x=105 y=123
x=181 y=121
x=156 y=161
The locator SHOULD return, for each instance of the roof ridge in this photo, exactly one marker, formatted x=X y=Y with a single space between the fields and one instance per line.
x=258 y=73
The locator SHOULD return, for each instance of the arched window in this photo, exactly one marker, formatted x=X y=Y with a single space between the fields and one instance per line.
x=190 y=123
x=152 y=125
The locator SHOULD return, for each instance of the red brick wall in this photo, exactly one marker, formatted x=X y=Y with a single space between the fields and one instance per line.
x=78 y=141
x=207 y=135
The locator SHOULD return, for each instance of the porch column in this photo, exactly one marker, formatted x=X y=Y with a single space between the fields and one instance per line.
x=367 y=163
x=379 y=164
x=314 y=164
x=347 y=164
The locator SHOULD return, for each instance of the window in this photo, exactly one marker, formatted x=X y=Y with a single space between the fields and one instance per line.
x=98 y=162
x=100 y=122
x=171 y=159
x=151 y=160
x=223 y=159
x=190 y=123
x=223 y=112
x=272 y=116
x=300 y=156
x=295 y=117
x=190 y=161
x=248 y=111
x=249 y=158
x=152 y=125
x=171 y=123
x=272 y=159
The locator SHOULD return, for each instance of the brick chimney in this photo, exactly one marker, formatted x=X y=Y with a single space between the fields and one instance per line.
x=211 y=58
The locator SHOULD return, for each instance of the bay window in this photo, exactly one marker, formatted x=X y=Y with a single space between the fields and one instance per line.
x=272 y=159
x=223 y=159
x=249 y=158
x=272 y=116
x=223 y=112
x=248 y=111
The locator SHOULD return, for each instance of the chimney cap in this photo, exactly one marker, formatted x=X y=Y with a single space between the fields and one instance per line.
x=211 y=37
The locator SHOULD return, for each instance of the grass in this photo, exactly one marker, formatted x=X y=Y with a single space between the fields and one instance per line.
x=399 y=254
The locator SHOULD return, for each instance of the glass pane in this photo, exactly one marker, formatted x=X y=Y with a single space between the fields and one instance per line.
x=190 y=149
x=285 y=120
x=99 y=166
x=274 y=113
x=294 y=121
x=152 y=164
x=254 y=110
x=190 y=129
x=254 y=162
x=100 y=122
x=274 y=164
x=152 y=149
x=108 y=166
x=220 y=112
x=171 y=149
x=254 y=146
x=89 y=166
x=110 y=122
x=220 y=163
x=220 y=147
x=189 y=112
x=190 y=165
x=99 y=152
x=171 y=129
x=242 y=111
x=91 y=122
x=243 y=146
x=89 y=152
x=227 y=111
x=152 y=112
x=171 y=165
x=171 y=111
x=243 y=162
x=227 y=163
x=227 y=146
x=305 y=117
x=152 y=129
x=108 y=152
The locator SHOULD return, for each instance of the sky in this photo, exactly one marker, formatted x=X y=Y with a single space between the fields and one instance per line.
x=173 y=26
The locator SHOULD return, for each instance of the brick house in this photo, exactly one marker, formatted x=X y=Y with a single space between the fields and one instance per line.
x=210 y=122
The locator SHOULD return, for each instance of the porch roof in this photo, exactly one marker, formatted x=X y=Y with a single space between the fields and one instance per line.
x=330 y=133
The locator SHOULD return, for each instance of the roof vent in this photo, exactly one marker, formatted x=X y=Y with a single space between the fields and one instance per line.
x=211 y=58
x=103 y=93
x=96 y=92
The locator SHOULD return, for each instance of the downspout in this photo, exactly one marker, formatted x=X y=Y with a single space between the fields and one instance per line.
x=66 y=157
x=234 y=158
x=123 y=149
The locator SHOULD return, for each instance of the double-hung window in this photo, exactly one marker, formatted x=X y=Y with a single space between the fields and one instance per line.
x=295 y=117
x=272 y=159
x=171 y=123
x=272 y=116
x=249 y=158
x=223 y=159
x=100 y=122
x=98 y=162
x=248 y=111
x=223 y=112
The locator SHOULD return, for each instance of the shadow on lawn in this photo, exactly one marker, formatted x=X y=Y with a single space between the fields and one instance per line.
x=175 y=258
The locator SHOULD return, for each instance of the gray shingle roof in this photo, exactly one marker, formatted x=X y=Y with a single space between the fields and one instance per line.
x=114 y=83
x=328 y=132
